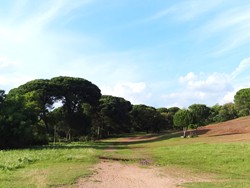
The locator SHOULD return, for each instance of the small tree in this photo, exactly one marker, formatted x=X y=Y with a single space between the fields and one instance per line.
x=242 y=102
x=200 y=114
x=182 y=119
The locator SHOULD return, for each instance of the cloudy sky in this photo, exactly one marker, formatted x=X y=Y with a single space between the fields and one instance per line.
x=160 y=53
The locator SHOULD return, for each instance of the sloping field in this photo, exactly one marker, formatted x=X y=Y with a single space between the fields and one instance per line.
x=237 y=130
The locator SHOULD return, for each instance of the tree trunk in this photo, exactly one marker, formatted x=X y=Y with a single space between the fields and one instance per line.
x=184 y=132
x=69 y=135
x=44 y=118
x=98 y=132
x=54 y=134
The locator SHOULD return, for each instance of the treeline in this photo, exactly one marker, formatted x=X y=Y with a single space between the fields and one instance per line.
x=68 y=108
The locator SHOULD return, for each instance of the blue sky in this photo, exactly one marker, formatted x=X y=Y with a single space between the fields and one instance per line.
x=160 y=53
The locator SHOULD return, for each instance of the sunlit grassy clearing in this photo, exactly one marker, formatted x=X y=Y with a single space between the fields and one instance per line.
x=228 y=162
x=47 y=166
x=65 y=163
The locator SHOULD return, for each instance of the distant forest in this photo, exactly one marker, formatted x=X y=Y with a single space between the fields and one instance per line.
x=73 y=109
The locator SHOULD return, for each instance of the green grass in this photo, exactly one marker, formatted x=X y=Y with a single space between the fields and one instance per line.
x=63 y=164
x=47 y=166
x=229 y=163
x=229 y=160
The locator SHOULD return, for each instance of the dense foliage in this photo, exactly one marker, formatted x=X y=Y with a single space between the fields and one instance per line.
x=68 y=108
x=242 y=101
x=182 y=119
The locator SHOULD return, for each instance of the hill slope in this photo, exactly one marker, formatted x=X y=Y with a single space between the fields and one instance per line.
x=234 y=130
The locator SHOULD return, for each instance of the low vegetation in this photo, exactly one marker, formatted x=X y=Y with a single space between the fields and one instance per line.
x=47 y=166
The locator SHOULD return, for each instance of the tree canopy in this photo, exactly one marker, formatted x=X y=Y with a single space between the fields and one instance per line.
x=69 y=108
x=242 y=101
x=182 y=119
x=200 y=114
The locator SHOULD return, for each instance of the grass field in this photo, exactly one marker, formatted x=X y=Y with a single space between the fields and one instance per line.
x=47 y=166
x=223 y=157
x=227 y=163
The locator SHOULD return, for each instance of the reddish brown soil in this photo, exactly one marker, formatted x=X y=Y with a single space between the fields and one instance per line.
x=236 y=130
x=112 y=174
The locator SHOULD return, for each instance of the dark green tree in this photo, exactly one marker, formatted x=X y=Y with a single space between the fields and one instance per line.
x=242 y=102
x=146 y=118
x=18 y=124
x=200 y=114
x=227 y=112
x=39 y=94
x=170 y=116
x=167 y=118
x=214 y=114
x=73 y=94
x=183 y=119
x=114 y=114
x=173 y=110
x=2 y=96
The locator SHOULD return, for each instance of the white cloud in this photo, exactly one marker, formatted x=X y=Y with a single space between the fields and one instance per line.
x=186 y=98
x=215 y=82
x=136 y=93
x=199 y=88
x=229 y=97
x=243 y=66
x=189 y=77
x=6 y=62
x=10 y=81
x=209 y=88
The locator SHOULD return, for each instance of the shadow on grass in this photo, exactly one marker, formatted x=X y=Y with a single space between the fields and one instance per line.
x=106 y=144
x=78 y=145
x=151 y=138
x=225 y=134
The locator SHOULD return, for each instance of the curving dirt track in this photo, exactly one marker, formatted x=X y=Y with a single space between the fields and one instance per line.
x=112 y=174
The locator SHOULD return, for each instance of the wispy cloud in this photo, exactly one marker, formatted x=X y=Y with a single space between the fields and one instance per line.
x=24 y=25
x=243 y=66
x=229 y=28
x=227 y=19
x=187 y=10
x=219 y=21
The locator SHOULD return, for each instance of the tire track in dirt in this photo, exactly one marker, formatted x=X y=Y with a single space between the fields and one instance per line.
x=112 y=173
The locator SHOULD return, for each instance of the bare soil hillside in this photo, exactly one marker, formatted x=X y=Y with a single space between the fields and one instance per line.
x=230 y=131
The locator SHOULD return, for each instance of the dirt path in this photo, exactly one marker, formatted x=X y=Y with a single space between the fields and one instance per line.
x=113 y=174
x=110 y=173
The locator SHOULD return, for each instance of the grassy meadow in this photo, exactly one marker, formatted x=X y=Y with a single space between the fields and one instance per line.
x=50 y=166
x=228 y=164
x=47 y=166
